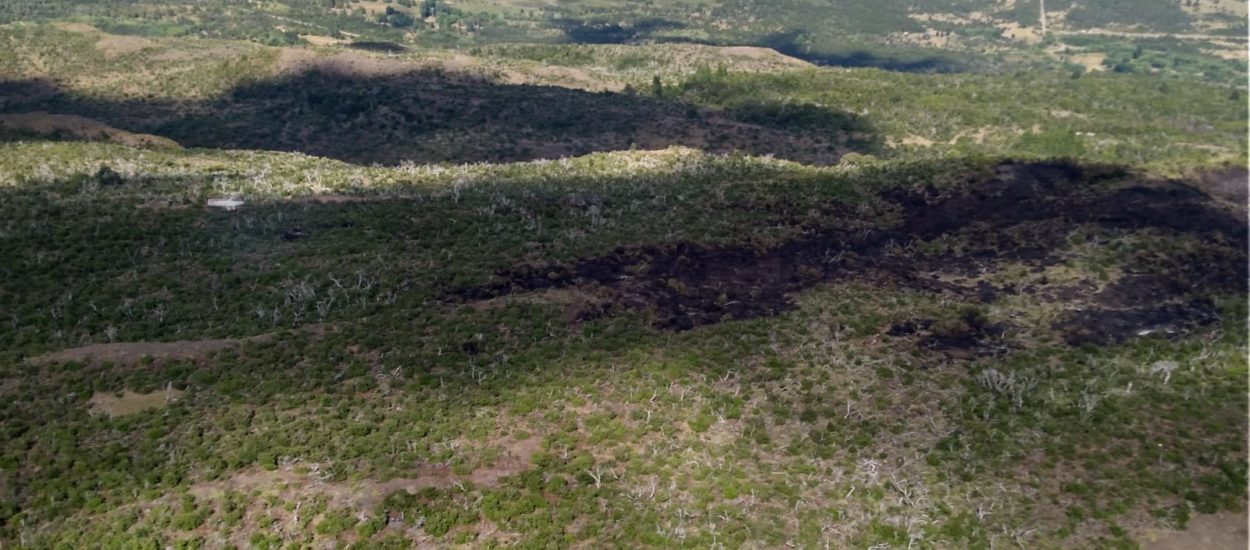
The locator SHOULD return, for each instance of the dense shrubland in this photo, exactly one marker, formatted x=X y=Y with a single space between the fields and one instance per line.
x=398 y=354
x=643 y=437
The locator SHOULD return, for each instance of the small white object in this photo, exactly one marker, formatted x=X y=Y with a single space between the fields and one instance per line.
x=1165 y=368
x=225 y=203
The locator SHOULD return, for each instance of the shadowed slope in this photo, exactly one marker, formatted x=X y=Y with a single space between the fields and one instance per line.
x=432 y=116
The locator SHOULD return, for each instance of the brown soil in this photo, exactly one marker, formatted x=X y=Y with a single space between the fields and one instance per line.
x=81 y=28
x=570 y=77
x=299 y=486
x=133 y=352
x=74 y=126
x=123 y=353
x=219 y=52
x=116 y=46
x=756 y=53
x=297 y=61
x=1091 y=61
x=318 y=40
x=1023 y=213
x=131 y=402
x=516 y=460
x=367 y=494
x=1225 y=531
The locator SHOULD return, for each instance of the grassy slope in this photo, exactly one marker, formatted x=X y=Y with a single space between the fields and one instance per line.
x=644 y=436
x=693 y=17
x=551 y=416
x=896 y=34
x=199 y=91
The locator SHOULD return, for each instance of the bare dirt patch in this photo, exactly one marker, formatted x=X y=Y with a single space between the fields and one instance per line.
x=1092 y=61
x=1225 y=531
x=295 y=61
x=977 y=136
x=220 y=52
x=318 y=40
x=1216 y=15
x=116 y=46
x=458 y=63
x=78 y=127
x=133 y=352
x=1015 y=31
x=1232 y=51
x=570 y=77
x=81 y=28
x=747 y=52
x=918 y=141
x=516 y=460
x=124 y=353
x=762 y=54
x=296 y=484
x=130 y=402
x=1023 y=213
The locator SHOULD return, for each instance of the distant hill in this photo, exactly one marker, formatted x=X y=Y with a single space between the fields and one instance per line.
x=940 y=35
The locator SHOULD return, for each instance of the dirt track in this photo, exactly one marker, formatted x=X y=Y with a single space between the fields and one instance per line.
x=1125 y=34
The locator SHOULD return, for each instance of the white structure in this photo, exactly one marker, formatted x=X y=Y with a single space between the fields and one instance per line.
x=225 y=203
x=1043 y=19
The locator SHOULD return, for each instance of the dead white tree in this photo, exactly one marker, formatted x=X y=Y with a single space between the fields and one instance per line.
x=1043 y=2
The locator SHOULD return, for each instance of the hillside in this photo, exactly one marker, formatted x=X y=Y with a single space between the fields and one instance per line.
x=906 y=35
x=556 y=352
x=683 y=273
x=525 y=102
